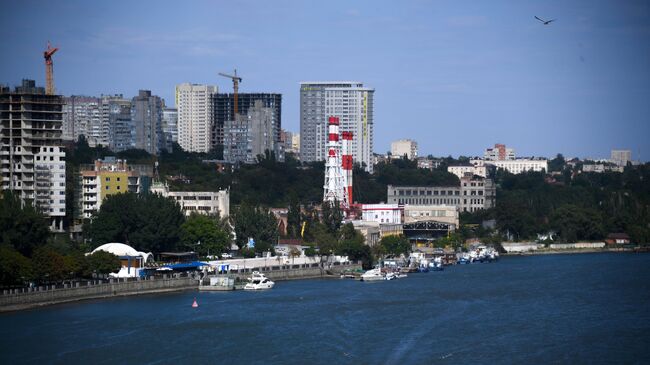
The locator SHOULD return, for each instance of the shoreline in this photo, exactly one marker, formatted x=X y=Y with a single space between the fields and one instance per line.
x=14 y=307
x=569 y=251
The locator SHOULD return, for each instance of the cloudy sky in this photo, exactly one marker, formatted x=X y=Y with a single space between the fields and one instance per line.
x=457 y=76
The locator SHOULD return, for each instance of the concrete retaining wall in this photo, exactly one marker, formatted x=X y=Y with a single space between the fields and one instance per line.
x=17 y=299
x=42 y=296
x=570 y=246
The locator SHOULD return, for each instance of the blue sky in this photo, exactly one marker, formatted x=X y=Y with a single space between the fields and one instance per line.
x=457 y=76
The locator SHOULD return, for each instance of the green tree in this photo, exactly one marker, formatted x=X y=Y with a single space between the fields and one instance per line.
x=573 y=223
x=293 y=217
x=147 y=222
x=257 y=223
x=49 y=265
x=15 y=269
x=332 y=216
x=102 y=263
x=395 y=245
x=204 y=229
x=22 y=226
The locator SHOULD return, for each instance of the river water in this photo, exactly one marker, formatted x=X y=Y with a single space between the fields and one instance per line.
x=587 y=308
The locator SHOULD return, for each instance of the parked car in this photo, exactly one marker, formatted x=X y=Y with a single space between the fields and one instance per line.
x=226 y=256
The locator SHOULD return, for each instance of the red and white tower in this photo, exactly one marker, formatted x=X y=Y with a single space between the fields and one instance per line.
x=347 y=163
x=335 y=188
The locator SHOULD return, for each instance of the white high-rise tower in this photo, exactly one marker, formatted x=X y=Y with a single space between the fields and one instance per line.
x=195 y=109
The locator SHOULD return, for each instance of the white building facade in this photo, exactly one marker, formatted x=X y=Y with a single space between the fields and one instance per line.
x=403 y=147
x=194 y=112
x=201 y=202
x=515 y=166
x=382 y=213
x=461 y=171
x=352 y=103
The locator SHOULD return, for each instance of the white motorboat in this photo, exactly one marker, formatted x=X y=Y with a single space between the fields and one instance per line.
x=258 y=281
x=373 y=275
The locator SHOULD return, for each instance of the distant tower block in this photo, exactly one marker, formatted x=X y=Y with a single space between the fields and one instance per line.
x=335 y=186
x=347 y=163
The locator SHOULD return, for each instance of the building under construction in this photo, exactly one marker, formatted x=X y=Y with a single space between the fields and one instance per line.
x=224 y=105
x=32 y=161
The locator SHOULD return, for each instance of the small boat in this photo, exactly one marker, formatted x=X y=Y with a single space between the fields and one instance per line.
x=373 y=275
x=391 y=276
x=464 y=259
x=436 y=264
x=423 y=268
x=258 y=281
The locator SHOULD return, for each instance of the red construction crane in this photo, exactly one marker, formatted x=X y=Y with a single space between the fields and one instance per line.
x=235 y=85
x=49 y=69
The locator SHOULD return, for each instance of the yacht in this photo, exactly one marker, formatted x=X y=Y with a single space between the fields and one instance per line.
x=258 y=281
x=373 y=275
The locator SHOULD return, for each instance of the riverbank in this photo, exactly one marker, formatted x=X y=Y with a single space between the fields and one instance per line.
x=570 y=251
x=44 y=296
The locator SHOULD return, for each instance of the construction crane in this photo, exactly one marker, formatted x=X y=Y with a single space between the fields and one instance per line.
x=235 y=85
x=49 y=69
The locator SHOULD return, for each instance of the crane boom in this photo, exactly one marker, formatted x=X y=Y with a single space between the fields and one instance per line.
x=235 y=85
x=49 y=68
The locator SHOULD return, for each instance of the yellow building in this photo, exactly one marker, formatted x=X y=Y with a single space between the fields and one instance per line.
x=104 y=178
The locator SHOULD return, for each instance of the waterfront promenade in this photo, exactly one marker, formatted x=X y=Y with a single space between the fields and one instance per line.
x=274 y=268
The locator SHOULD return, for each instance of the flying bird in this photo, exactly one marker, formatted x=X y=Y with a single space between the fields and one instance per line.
x=546 y=22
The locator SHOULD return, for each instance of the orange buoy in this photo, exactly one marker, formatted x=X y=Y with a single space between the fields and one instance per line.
x=195 y=304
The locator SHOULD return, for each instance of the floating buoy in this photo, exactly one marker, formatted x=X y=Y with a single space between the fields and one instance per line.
x=195 y=304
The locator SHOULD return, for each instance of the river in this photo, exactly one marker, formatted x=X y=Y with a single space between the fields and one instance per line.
x=587 y=308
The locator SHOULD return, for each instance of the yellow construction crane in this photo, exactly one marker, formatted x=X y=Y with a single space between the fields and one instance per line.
x=235 y=85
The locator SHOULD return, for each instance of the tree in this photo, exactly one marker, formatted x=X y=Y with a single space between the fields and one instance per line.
x=395 y=245
x=257 y=223
x=22 y=226
x=352 y=245
x=49 y=265
x=573 y=223
x=147 y=222
x=332 y=216
x=310 y=251
x=204 y=229
x=293 y=217
x=15 y=269
x=103 y=263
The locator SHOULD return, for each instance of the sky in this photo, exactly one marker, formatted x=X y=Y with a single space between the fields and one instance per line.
x=456 y=76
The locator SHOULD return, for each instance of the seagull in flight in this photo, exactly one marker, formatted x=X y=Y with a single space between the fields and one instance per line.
x=546 y=22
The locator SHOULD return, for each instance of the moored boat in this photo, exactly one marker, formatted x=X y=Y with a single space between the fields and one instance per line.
x=258 y=281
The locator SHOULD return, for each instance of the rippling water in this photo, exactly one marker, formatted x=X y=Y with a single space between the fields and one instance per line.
x=589 y=308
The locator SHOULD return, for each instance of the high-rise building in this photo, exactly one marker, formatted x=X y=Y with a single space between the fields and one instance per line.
x=146 y=116
x=351 y=102
x=195 y=116
x=32 y=161
x=499 y=153
x=117 y=114
x=251 y=135
x=82 y=116
x=403 y=147
x=224 y=105
x=170 y=124
x=621 y=157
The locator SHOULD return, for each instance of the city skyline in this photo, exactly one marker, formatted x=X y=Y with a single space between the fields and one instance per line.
x=485 y=73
